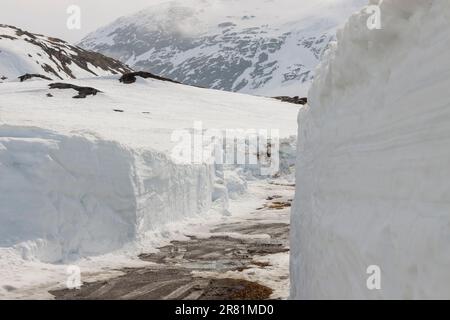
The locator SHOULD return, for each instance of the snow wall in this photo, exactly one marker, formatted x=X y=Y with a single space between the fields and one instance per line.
x=70 y=196
x=373 y=160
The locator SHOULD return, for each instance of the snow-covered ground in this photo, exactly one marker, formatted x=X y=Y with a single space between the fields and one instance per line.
x=374 y=149
x=92 y=179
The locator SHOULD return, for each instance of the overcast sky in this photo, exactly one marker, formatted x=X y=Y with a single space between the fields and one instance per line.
x=49 y=17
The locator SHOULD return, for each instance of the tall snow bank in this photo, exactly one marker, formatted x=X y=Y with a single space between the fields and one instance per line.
x=86 y=180
x=373 y=160
x=69 y=196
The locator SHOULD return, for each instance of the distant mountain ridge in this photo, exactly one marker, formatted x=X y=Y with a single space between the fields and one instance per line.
x=22 y=52
x=259 y=47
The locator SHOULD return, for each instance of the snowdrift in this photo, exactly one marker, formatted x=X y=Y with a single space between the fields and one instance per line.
x=78 y=178
x=81 y=197
x=373 y=154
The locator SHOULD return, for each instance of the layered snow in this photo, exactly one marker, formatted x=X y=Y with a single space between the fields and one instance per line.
x=83 y=177
x=64 y=196
x=372 y=171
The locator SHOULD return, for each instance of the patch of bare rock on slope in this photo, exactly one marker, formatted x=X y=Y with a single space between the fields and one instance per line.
x=52 y=57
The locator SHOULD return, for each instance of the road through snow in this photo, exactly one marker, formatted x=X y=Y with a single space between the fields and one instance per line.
x=243 y=256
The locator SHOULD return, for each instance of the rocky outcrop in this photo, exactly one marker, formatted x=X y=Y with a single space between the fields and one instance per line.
x=130 y=77
x=295 y=100
x=28 y=76
x=24 y=52
x=83 y=92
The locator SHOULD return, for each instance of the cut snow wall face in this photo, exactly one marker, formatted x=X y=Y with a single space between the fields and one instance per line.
x=68 y=196
x=373 y=161
x=167 y=192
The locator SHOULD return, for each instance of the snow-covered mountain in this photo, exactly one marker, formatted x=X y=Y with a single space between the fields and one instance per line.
x=23 y=52
x=266 y=47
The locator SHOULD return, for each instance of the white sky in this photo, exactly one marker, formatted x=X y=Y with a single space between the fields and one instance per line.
x=49 y=17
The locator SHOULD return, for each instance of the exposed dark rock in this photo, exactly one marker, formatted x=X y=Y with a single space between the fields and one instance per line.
x=7 y=37
x=49 y=95
x=28 y=76
x=118 y=110
x=131 y=77
x=83 y=92
x=64 y=56
x=295 y=100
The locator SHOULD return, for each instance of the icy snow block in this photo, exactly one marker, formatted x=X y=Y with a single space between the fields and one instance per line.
x=373 y=161
x=69 y=196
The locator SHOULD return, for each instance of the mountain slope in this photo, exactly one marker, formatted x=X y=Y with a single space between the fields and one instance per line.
x=23 y=52
x=258 y=47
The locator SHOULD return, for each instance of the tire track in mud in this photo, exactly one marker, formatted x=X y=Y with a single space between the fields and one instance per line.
x=211 y=268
